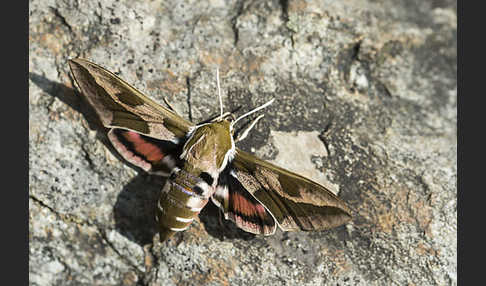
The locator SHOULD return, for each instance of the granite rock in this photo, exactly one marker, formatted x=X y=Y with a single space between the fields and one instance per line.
x=370 y=86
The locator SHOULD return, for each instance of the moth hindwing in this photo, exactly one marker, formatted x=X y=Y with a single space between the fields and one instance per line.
x=203 y=163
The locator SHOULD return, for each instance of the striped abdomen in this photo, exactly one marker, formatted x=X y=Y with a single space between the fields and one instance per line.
x=183 y=197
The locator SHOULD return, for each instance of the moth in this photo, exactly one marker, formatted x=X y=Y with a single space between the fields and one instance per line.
x=202 y=163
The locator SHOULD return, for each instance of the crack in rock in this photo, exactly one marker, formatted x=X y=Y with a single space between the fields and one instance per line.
x=61 y=18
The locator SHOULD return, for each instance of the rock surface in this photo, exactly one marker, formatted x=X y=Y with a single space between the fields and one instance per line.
x=370 y=85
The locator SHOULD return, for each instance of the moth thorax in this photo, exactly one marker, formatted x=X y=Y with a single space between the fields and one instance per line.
x=209 y=148
x=182 y=198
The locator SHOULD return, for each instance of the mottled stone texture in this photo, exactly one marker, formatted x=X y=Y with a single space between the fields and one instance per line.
x=370 y=84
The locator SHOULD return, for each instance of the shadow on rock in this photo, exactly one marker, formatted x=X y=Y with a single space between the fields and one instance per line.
x=216 y=226
x=134 y=210
x=70 y=97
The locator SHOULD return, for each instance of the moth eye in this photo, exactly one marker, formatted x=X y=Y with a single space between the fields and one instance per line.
x=230 y=117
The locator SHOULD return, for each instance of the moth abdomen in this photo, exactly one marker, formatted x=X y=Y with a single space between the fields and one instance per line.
x=182 y=198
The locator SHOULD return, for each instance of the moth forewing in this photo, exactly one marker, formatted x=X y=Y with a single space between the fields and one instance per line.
x=119 y=105
x=296 y=203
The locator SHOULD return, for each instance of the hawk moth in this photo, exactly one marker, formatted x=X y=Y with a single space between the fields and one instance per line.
x=203 y=164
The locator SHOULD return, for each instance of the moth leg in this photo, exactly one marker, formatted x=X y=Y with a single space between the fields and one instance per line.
x=220 y=217
x=170 y=105
x=180 y=240
x=243 y=134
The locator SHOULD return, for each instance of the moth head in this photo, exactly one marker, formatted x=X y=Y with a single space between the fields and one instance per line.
x=229 y=118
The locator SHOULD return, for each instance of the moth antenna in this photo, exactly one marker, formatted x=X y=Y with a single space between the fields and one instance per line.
x=219 y=93
x=252 y=111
